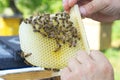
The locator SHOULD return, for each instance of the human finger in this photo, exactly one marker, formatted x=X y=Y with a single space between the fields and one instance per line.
x=97 y=56
x=66 y=5
x=72 y=3
x=64 y=73
x=73 y=64
x=83 y=57
x=103 y=17
x=93 y=6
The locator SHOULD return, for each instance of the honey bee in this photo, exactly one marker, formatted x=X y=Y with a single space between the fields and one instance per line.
x=55 y=70
x=27 y=55
x=26 y=21
x=74 y=43
x=67 y=15
x=34 y=30
x=39 y=18
x=57 y=14
x=62 y=14
x=58 y=46
x=31 y=17
x=46 y=14
x=40 y=26
x=70 y=42
x=43 y=34
x=63 y=39
x=23 y=55
x=70 y=23
x=28 y=63
x=54 y=18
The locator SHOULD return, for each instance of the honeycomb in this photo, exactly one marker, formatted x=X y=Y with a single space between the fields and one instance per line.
x=42 y=48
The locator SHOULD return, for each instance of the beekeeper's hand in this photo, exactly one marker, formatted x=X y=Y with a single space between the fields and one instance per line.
x=88 y=67
x=100 y=10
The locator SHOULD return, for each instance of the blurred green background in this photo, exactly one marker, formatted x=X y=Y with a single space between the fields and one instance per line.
x=113 y=53
x=29 y=7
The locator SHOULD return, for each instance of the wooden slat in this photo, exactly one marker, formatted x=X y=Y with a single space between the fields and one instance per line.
x=38 y=75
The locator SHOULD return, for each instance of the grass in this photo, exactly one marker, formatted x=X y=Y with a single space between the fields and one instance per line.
x=116 y=30
x=113 y=54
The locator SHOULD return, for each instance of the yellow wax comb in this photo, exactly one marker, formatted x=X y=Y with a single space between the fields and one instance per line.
x=43 y=51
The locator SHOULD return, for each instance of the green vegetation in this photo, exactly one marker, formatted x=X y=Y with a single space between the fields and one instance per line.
x=113 y=54
x=3 y=5
x=116 y=30
x=29 y=7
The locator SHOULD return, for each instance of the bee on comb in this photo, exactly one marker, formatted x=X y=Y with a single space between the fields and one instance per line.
x=56 y=27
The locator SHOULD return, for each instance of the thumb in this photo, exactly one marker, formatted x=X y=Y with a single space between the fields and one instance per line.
x=93 y=7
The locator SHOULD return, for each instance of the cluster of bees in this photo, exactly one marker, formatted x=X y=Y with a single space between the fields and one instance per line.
x=57 y=27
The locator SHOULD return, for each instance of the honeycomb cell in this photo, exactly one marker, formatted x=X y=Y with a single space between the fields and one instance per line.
x=42 y=49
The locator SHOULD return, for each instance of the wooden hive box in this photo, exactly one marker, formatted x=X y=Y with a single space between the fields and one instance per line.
x=98 y=34
x=9 y=25
x=35 y=75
